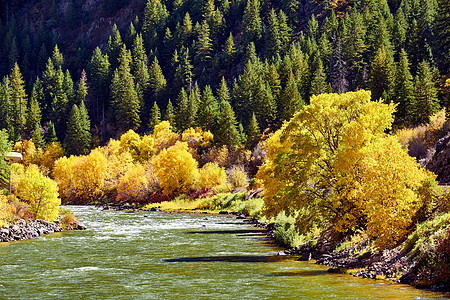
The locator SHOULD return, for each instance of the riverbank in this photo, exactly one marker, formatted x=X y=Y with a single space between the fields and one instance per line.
x=28 y=229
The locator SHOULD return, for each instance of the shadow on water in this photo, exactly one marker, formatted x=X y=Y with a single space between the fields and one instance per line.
x=233 y=258
x=238 y=231
x=304 y=273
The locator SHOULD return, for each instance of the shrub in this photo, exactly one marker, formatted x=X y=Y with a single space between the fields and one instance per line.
x=67 y=219
x=237 y=177
x=285 y=230
x=211 y=176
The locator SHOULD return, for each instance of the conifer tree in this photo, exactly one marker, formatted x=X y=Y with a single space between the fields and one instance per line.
x=203 y=46
x=157 y=81
x=223 y=93
x=18 y=99
x=182 y=111
x=155 y=18
x=253 y=133
x=67 y=88
x=208 y=110
x=114 y=47
x=382 y=74
x=57 y=58
x=155 y=116
x=71 y=141
x=404 y=89
x=183 y=70
x=131 y=35
x=170 y=113
x=50 y=136
x=82 y=90
x=85 y=137
x=37 y=137
x=99 y=73
x=227 y=130
x=124 y=96
x=34 y=113
x=290 y=100
x=251 y=22
x=273 y=36
x=426 y=100
x=319 y=84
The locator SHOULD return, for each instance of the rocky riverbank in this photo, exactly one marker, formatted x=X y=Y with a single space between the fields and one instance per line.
x=28 y=229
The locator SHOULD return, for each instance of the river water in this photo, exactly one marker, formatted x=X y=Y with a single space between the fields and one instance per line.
x=171 y=256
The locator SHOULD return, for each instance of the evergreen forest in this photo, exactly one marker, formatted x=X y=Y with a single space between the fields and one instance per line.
x=235 y=68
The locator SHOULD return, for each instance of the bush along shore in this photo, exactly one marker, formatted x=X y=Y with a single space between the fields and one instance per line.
x=28 y=229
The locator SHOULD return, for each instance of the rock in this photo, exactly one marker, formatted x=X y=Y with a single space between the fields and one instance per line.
x=223 y=212
x=154 y=208
x=81 y=226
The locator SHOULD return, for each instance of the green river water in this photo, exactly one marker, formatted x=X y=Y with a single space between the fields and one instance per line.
x=169 y=256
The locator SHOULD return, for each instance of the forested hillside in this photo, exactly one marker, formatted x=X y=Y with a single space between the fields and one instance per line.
x=83 y=71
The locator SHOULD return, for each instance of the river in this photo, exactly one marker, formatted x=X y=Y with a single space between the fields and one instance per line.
x=172 y=256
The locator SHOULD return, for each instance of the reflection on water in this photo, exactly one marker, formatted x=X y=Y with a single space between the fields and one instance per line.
x=167 y=256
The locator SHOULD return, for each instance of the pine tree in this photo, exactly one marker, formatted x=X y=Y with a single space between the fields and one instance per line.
x=82 y=88
x=155 y=18
x=99 y=73
x=57 y=58
x=131 y=35
x=71 y=142
x=37 y=137
x=183 y=71
x=114 y=47
x=227 y=130
x=208 y=110
x=170 y=113
x=155 y=116
x=34 y=113
x=442 y=28
x=404 y=89
x=319 y=84
x=68 y=89
x=85 y=137
x=223 y=93
x=290 y=100
x=50 y=136
x=203 y=46
x=426 y=100
x=382 y=74
x=251 y=22
x=18 y=98
x=157 y=81
x=273 y=36
x=253 y=133
x=182 y=111
x=124 y=96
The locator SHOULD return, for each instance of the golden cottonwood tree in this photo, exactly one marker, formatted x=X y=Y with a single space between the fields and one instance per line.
x=40 y=192
x=176 y=169
x=133 y=185
x=211 y=176
x=81 y=177
x=329 y=162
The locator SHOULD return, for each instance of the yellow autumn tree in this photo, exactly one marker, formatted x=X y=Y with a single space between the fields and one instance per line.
x=52 y=152
x=6 y=211
x=40 y=192
x=133 y=185
x=81 y=178
x=164 y=136
x=176 y=169
x=212 y=176
x=323 y=160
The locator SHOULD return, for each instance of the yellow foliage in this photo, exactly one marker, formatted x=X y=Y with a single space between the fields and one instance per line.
x=40 y=192
x=333 y=159
x=133 y=185
x=31 y=155
x=81 y=176
x=51 y=154
x=176 y=169
x=164 y=136
x=17 y=171
x=5 y=211
x=196 y=137
x=140 y=148
x=237 y=177
x=211 y=176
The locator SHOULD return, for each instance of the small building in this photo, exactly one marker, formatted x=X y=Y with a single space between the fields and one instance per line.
x=14 y=157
